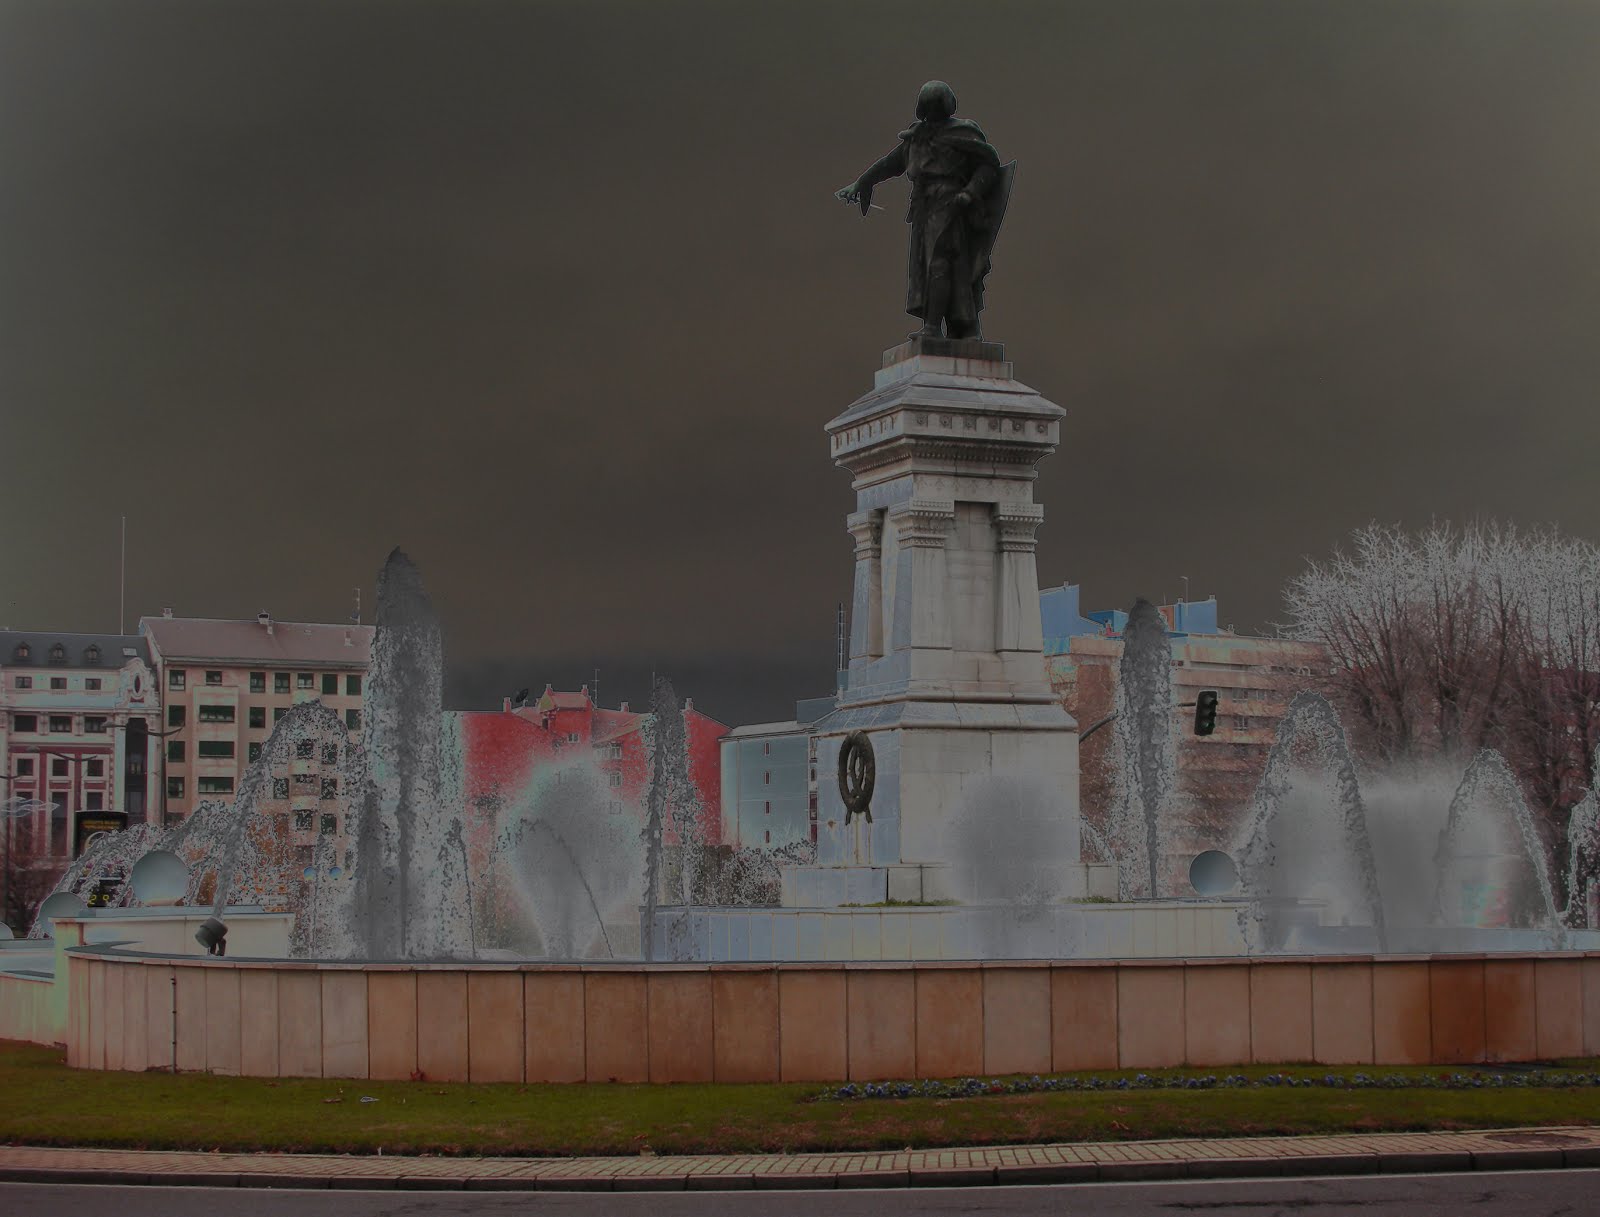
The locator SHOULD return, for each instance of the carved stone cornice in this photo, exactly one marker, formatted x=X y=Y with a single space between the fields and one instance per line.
x=923 y=523
x=1017 y=524
x=867 y=529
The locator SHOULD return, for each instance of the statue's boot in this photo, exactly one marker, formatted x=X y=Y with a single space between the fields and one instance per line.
x=938 y=302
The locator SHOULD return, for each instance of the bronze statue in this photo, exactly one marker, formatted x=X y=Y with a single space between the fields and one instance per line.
x=959 y=191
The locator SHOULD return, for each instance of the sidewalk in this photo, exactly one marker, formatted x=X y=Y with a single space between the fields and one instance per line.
x=1511 y=1149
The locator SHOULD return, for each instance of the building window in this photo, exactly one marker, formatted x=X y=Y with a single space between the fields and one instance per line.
x=95 y=768
x=1241 y=722
x=254 y=752
x=304 y=779
x=258 y=682
x=175 y=752
x=58 y=767
x=614 y=778
x=303 y=821
x=277 y=713
x=302 y=680
x=94 y=801
x=330 y=754
x=280 y=788
x=280 y=682
x=213 y=677
x=24 y=766
x=572 y=737
x=216 y=714
x=352 y=720
x=25 y=722
x=176 y=679
x=352 y=686
x=175 y=716
x=769 y=836
x=61 y=724
x=330 y=684
x=304 y=749
x=330 y=824
x=58 y=654
x=214 y=748
x=768 y=803
x=92 y=684
x=58 y=682
x=24 y=682
x=174 y=788
x=766 y=778
x=258 y=716
x=91 y=655
x=214 y=785
x=330 y=788
x=22 y=651
x=766 y=748
x=94 y=724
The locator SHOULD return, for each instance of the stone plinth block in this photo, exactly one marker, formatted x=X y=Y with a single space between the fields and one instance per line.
x=258 y=1022
x=1402 y=1014
x=1216 y=1014
x=617 y=1045
x=391 y=1025
x=744 y=1012
x=950 y=1031
x=554 y=1046
x=223 y=1014
x=1280 y=1013
x=344 y=1024
x=1083 y=1018
x=192 y=1029
x=680 y=1026
x=812 y=1014
x=882 y=1023
x=1456 y=993
x=1150 y=1017
x=1510 y=1030
x=1016 y=1020
x=1558 y=994
x=299 y=1023
x=442 y=1026
x=1341 y=1013
x=494 y=1026
x=135 y=1021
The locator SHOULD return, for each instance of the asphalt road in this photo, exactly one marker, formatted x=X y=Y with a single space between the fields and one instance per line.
x=1553 y=1193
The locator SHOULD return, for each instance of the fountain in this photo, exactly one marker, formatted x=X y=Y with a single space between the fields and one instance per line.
x=1146 y=751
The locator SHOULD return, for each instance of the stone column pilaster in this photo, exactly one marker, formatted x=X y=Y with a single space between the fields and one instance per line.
x=1018 y=627
x=922 y=528
x=866 y=601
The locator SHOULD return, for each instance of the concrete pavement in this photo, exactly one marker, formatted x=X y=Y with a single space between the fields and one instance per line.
x=1112 y=1161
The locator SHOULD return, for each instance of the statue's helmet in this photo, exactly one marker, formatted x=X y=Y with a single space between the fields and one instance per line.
x=937 y=101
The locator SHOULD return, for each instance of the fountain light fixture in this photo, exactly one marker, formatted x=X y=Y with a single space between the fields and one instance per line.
x=213 y=936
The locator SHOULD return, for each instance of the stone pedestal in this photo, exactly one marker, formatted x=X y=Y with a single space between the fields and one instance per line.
x=946 y=667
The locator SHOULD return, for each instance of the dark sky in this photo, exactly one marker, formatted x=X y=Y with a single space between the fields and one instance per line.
x=555 y=296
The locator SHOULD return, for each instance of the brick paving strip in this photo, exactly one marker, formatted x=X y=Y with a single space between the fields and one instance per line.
x=1490 y=1149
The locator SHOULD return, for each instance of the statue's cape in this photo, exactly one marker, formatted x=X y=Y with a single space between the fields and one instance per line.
x=960 y=133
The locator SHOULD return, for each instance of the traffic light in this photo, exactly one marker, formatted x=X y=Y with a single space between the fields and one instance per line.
x=1205 y=712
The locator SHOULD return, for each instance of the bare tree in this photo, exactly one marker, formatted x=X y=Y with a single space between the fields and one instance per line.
x=1452 y=640
x=28 y=870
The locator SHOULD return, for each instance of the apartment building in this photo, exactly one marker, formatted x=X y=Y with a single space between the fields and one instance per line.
x=225 y=684
x=78 y=716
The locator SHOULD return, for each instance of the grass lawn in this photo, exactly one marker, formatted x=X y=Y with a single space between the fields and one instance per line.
x=45 y=1103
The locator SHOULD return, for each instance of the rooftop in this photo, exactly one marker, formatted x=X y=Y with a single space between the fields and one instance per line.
x=39 y=649
x=268 y=643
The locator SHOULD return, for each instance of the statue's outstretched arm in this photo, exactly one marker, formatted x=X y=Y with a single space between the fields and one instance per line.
x=881 y=170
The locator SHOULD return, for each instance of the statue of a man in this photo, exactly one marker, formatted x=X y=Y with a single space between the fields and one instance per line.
x=959 y=192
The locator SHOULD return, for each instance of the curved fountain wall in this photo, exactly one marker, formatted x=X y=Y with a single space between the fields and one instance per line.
x=534 y=1022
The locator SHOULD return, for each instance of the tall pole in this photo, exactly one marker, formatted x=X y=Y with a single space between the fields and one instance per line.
x=122 y=598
